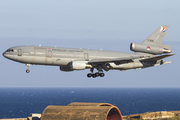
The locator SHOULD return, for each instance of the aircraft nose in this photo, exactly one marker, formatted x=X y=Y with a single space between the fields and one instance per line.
x=4 y=54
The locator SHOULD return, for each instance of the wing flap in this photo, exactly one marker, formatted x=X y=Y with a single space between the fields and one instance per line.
x=105 y=60
x=156 y=58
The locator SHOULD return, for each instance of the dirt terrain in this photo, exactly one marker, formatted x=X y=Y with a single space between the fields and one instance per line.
x=161 y=115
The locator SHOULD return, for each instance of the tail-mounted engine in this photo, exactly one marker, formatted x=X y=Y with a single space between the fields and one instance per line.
x=152 y=49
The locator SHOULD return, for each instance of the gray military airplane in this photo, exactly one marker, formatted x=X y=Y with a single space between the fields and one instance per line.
x=147 y=54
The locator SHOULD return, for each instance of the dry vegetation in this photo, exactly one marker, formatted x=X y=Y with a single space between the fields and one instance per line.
x=163 y=115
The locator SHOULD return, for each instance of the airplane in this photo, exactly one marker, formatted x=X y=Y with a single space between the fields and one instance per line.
x=149 y=53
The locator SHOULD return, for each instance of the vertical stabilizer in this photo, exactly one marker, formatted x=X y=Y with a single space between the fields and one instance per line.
x=157 y=36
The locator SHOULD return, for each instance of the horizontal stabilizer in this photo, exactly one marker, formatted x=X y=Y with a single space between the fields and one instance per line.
x=156 y=58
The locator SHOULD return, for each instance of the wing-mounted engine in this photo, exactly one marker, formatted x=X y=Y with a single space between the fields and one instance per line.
x=66 y=68
x=75 y=65
x=152 y=49
x=79 y=65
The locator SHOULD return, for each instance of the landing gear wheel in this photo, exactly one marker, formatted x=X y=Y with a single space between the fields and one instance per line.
x=94 y=75
x=101 y=74
x=89 y=75
x=27 y=71
x=97 y=74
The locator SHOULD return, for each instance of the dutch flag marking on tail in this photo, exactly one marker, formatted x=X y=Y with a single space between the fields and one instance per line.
x=163 y=29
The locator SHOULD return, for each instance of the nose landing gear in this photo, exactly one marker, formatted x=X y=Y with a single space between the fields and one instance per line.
x=28 y=65
x=27 y=71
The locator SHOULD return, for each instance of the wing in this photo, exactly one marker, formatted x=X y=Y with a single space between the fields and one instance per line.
x=128 y=59
x=156 y=58
x=105 y=60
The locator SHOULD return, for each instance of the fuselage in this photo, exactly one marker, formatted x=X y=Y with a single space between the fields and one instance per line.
x=57 y=56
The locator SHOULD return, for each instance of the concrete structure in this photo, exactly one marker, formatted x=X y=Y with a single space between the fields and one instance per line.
x=82 y=111
x=89 y=104
x=77 y=111
x=32 y=116
x=35 y=115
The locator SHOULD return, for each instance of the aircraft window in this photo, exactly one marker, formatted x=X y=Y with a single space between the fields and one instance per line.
x=10 y=50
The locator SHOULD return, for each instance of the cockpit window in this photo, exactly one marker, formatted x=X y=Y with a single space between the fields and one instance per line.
x=10 y=50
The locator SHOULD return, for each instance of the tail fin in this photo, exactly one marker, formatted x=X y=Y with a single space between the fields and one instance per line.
x=157 y=36
x=152 y=45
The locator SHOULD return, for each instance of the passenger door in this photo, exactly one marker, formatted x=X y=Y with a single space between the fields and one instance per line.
x=86 y=56
x=49 y=59
x=19 y=52
x=49 y=54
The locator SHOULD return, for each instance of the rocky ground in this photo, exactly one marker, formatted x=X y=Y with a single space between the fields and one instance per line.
x=162 y=115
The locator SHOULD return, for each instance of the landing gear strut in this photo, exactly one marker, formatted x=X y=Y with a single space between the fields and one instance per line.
x=97 y=74
x=28 y=65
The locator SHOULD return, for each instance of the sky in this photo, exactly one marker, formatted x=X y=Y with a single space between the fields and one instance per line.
x=103 y=24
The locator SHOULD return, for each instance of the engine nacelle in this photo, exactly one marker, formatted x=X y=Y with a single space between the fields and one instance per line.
x=66 y=68
x=79 y=65
x=152 y=49
x=75 y=65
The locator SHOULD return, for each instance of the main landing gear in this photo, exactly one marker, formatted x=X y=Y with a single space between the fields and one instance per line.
x=28 y=65
x=97 y=74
